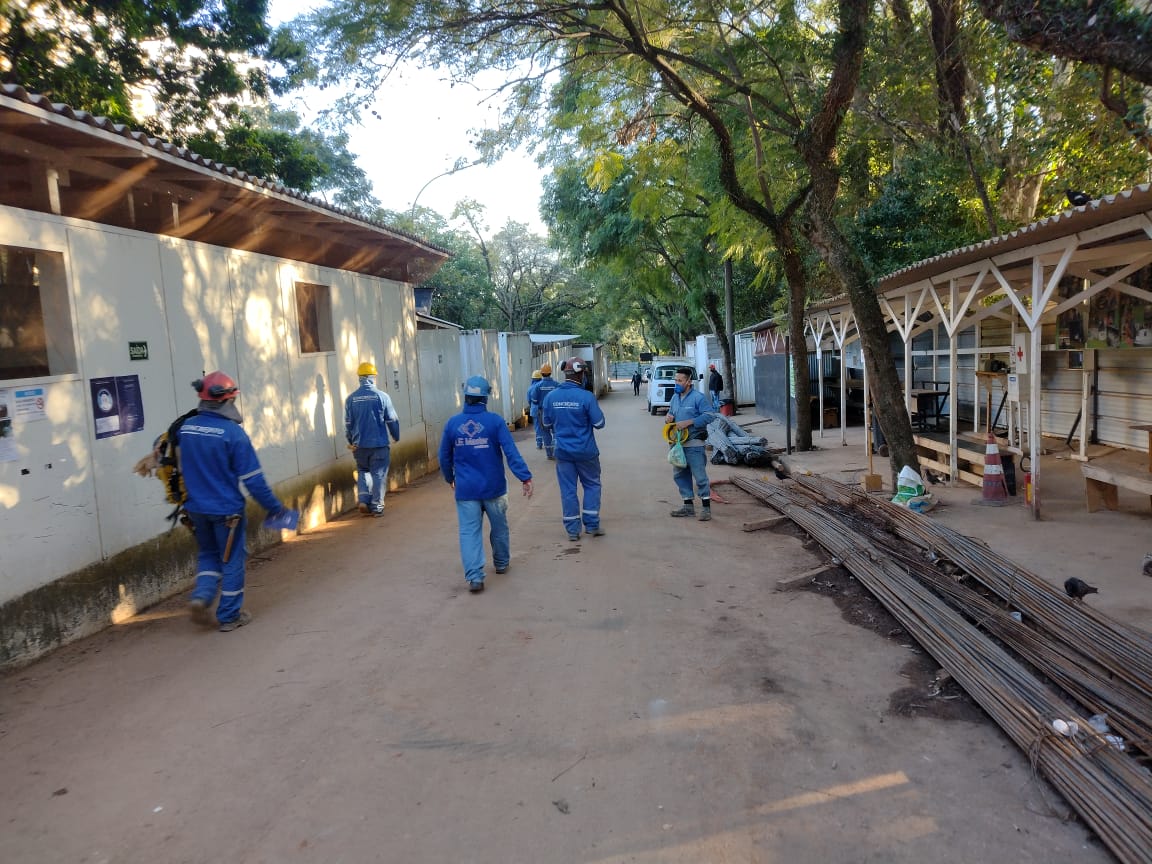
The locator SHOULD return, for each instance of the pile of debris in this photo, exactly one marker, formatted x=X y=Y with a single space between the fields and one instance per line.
x=732 y=445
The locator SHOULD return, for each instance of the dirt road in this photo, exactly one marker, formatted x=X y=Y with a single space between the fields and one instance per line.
x=639 y=697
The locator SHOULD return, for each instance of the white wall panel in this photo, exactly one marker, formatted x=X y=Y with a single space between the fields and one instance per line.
x=261 y=366
x=103 y=259
x=48 y=524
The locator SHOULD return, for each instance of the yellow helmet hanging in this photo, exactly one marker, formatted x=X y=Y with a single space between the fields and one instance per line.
x=672 y=434
x=366 y=369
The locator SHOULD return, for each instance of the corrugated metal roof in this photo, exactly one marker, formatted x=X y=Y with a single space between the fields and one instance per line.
x=1109 y=208
x=1075 y=220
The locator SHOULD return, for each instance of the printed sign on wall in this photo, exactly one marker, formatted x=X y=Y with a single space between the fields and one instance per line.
x=117 y=407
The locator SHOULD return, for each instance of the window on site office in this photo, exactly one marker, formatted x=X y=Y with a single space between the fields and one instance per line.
x=35 y=318
x=314 y=318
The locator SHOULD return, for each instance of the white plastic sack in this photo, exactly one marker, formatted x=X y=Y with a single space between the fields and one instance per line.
x=909 y=485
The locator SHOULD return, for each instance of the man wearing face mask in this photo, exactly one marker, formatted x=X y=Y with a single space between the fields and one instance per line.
x=691 y=411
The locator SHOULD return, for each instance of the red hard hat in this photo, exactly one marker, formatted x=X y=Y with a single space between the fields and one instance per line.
x=574 y=366
x=216 y=387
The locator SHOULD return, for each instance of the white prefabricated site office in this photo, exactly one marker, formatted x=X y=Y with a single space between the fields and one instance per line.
x=128 y=268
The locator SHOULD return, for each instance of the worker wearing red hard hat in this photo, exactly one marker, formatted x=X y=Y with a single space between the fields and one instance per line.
x=216 y=456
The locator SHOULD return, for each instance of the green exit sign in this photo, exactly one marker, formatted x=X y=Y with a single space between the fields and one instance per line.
x=137 y=350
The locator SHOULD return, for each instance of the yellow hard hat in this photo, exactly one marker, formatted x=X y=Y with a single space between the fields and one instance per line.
x=536 y=376
x=672 y=434
x=366 y=369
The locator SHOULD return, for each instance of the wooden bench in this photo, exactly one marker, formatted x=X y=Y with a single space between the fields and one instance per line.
x=1103 y=479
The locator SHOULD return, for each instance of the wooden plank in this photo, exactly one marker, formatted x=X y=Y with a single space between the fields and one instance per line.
x=761 y=524
x=1118 y=475
x=966 y=476
x=802 y=578
x=1097 y=495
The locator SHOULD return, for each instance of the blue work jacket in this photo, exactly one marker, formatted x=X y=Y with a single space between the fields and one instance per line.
x=572 y=413
x=216 y=456
x=369 y=417
x=694 y=406
x=473 y=448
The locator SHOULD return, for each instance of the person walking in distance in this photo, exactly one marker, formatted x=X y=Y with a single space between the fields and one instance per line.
x=572 y=413
x=473 y=449
x=369 y=418
x=534 y=409
x=690 y=411
x=536 y=397
x=715 y=385
x=636 y=383
x=216 y=456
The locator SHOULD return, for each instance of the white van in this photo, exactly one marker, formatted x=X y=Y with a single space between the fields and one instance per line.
x=662 y=381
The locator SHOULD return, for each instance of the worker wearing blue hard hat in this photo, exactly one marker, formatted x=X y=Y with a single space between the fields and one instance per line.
x=473 y=449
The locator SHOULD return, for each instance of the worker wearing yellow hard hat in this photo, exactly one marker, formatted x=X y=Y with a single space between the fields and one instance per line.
x=536 y=394
x=369 y=418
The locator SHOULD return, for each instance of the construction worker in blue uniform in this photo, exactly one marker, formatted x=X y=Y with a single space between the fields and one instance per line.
x=534 y=409
x=216 y=456
x=536 y=397
x=572 y=413
x=369 y=418
x=473 y=448
x=691 y=411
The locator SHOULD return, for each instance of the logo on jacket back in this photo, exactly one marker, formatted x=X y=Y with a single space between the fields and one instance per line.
x=470 y=432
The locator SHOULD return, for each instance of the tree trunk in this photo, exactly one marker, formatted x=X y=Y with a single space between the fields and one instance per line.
x=794 y=274
x=883 y=380
x=818 y=149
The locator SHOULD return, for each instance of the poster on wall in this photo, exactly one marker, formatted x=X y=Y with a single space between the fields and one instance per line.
x=116 y=405
x=29 y=404
x=7 y=438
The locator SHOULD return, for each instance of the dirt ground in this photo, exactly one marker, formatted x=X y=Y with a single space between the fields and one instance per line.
x=646 y=696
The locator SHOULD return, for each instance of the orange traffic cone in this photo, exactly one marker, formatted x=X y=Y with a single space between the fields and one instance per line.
x=994 y=492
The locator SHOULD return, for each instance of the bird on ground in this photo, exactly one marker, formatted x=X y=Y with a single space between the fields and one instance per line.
x=1078 y=589
x=1077 y=198
x=1148 y=564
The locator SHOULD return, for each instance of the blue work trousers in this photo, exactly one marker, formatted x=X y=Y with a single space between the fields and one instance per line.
x=471 y=518
x=544 y=437
x=212 y=572
x=588 y=475
x=372 y=475
x=697 y=469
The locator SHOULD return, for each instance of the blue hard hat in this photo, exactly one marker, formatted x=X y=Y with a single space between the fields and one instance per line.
x=477 y=385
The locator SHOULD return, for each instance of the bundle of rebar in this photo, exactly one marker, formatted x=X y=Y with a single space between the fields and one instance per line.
x=1110 y=790
x=733 y=445
x=1106 y=665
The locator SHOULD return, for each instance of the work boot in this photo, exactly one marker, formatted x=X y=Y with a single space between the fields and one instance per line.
x=239 y=621
x=705 y=513
x=686 y=510
x=364 y=509
x=198 y=612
